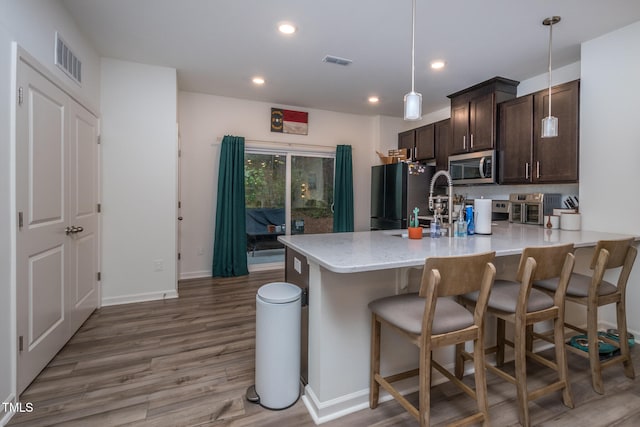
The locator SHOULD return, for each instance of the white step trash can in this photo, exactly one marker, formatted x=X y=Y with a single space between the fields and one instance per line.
x=278 y=310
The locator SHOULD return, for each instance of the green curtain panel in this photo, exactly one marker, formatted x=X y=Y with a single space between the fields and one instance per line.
x=343 y=191
x=230 y=239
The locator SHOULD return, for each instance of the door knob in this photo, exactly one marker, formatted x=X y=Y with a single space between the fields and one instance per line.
x=73 y=230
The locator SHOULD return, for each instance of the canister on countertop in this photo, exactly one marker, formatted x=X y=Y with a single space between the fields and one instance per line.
x=482 y=221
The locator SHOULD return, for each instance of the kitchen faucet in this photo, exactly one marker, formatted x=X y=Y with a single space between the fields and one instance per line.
x=450 y=195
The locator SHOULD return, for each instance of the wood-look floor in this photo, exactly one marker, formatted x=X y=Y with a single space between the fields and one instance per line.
x=189 y=361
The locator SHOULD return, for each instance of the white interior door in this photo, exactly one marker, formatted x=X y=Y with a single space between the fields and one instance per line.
x=84 y=242
x=57 y=243
x=42 y=247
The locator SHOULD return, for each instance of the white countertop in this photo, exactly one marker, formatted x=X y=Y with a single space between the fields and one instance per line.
x=379 y=250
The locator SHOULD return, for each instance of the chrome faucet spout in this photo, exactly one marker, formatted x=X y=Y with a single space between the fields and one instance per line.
x=449 y=196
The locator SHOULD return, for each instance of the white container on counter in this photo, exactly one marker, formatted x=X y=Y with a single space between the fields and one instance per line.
x=482 y=220
x=570 y=221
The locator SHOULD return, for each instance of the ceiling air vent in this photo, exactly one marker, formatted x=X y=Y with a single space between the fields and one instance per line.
x=67 y=60
x=336 y=60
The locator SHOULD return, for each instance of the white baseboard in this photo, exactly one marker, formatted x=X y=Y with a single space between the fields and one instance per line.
x=322 y=412
x=195 y=274
x=150 y=296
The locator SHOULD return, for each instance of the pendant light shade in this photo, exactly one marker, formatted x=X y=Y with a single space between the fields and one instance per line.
x=413 y=100
x=413 y=106
x=550 y=123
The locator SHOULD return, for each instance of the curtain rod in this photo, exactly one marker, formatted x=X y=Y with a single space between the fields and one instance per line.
x=280 y=143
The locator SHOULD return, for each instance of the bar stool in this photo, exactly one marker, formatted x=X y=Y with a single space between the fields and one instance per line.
x=519 y=304
x=593 y=292
x=430 y=320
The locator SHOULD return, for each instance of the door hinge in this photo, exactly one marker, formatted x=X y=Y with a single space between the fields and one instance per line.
x=179 y=256
x=20 y=343
x=179 y=153
x=99 y=207
x=99 y=276
x=20 y=96
x=99 y=140
x=20 y=221
x=179 y=204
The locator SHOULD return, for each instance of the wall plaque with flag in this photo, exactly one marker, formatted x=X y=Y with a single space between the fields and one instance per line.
x=289 y=121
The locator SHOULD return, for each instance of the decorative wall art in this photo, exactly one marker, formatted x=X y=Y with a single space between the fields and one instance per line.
x=289 y=121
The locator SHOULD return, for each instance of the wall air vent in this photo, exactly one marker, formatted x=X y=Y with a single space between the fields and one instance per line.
x=337 y=60
x=67 y=60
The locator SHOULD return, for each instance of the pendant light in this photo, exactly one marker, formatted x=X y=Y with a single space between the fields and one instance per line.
x=550 y=123
x=413 y=100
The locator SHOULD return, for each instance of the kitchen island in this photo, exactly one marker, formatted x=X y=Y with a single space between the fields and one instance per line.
x=348 y=270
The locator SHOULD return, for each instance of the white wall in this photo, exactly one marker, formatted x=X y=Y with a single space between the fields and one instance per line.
x=139 y=181
x=206 y=118
x=610 y=144
x=32 y=24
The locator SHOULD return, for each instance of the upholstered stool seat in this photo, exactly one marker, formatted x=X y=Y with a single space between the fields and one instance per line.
x=579 y=285
x=406 y=311
x=432 y=319
x=504 y=297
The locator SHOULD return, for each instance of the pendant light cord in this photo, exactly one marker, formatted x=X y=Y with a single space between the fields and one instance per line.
x=550 y=41
x=413 y=45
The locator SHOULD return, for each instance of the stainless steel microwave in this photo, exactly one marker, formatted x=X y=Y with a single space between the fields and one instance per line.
x=473 y=168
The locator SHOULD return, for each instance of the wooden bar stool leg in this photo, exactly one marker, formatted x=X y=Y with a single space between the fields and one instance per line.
x=561 y=360
x=520 y=357
x=425 y=385
x=530 y=338
x=374 y=387
x=480 y=379
x=459 y=367
x=624 y=339
x=594 y=354
x=500 y=342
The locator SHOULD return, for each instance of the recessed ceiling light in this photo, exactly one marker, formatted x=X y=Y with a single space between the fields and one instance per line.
x=374 y=99
x=437 y=64
x=258 y=80
x=286 y=28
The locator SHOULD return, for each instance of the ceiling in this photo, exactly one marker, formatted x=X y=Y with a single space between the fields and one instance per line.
x=217 y=46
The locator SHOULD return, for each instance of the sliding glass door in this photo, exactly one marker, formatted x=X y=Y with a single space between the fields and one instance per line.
x=287 y=192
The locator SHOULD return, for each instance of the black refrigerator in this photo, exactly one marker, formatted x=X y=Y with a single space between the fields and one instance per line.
x=394 y=194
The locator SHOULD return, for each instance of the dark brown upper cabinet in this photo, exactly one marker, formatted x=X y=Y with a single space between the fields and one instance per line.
x=474 y=114
x=524 y=156
x=442 y=142
x=420 y=142
x=407 y=139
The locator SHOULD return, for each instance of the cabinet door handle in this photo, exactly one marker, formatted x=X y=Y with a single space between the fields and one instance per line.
x=415 y=153
x=538 y=169
x=526 y=170
x=472 y=141
x=464 y=142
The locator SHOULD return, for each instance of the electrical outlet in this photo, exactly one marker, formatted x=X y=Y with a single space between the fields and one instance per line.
x=158 y=265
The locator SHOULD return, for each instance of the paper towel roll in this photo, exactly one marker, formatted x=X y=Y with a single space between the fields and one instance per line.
x=482 y=208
